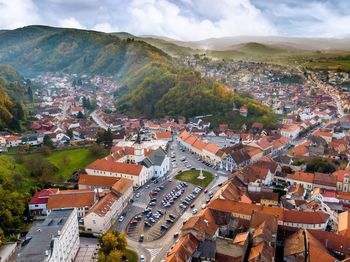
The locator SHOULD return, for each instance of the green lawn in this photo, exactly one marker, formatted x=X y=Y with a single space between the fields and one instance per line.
x=190 y=176
x=69 y=161
x=131 y=255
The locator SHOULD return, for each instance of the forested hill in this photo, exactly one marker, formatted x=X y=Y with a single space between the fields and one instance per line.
x=152 y=83
x=37 y=49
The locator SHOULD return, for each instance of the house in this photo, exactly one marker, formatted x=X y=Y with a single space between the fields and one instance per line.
x=305 y=179
x=104 y=167
x=82 y=200
x=13 y=141
x=32 y=139
x=326 y=135
x=343 y=177
x=290 y=131
x=38 y=203
x=166 y=136
x=55 y=239
x=103 y=214
x=76 y=109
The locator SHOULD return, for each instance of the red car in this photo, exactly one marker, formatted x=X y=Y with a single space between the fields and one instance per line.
x=153 y=193
x=133 y=222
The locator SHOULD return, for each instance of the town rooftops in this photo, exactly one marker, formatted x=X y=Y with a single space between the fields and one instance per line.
x=71 y=198
x=115 y=167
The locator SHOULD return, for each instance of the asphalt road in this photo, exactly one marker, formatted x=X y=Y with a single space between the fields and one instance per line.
x=156 y=250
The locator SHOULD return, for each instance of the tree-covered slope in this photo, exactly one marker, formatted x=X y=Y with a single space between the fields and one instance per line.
x=37 y=49
x=152 y=83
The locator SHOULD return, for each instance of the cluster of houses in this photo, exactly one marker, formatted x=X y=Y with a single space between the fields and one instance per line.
x=241 y=223
x=106 y=187
x=245 y=150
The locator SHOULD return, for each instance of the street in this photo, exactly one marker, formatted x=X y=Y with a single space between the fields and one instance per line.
x=156 y=250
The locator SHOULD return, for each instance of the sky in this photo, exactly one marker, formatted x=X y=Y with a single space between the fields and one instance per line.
x=186 y=19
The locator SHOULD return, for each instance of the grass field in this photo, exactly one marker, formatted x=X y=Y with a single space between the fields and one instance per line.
x=67 y=161
x=131 y=255
x=330 y=65
x=190 y=176
x=70 y=161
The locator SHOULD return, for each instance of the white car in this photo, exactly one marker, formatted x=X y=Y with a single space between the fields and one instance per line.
x=121 y=218
x=194 y=211
x=142 y=258
x=137 y=195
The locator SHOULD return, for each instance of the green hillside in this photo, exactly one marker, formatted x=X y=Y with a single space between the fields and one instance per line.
x=152 y=83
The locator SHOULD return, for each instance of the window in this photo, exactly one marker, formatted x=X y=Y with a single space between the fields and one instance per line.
x=94 y=221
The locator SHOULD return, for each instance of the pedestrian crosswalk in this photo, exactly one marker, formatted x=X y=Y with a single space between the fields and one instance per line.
x=154 y=252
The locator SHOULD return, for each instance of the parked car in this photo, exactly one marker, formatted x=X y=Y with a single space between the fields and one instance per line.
x=176 y=235
x=142 y=237
x=194 y=211
x=121 y=219
x=133 y=222
x=142 y=258
x=137 y=195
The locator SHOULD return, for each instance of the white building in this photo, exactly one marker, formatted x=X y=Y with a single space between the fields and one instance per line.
x=105 y=167
x=291 y=131
x=54 y=240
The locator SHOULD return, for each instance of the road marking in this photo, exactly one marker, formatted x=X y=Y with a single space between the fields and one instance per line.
x=154 y=252
x=141 y=205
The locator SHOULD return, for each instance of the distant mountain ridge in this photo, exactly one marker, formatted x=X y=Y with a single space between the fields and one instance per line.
x=296 y=43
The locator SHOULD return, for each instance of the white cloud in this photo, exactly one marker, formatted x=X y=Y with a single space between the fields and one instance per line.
x=162 y=17
x=105 y=27
x=71 y=23
x=17 y=13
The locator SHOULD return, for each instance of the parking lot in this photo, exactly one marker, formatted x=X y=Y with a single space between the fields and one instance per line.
x=166 y=203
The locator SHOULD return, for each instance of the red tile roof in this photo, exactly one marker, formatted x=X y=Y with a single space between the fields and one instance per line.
x=102 y=181
x=71 y=198
x=163 y=135
x=115 y=167
x=42 y=196
x=293 y=216
x=103 y=206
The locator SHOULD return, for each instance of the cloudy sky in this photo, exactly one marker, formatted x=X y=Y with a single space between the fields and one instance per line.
x=185 y=19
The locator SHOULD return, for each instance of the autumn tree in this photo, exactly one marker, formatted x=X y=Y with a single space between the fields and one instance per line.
x=113 y=244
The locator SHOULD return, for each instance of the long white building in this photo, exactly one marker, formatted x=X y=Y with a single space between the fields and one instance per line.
x=54 y=240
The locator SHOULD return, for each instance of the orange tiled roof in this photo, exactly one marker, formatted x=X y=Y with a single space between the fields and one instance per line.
x=122 y=185
x=103 y=181
x=71 y=198
x=212 y=148
x=191 y=139
x=183 y=249
x=103 y=206
x=163 y=135
x=302 y=176
x=199 y=144
x=340 y=174
x=294 y=216
x=115 y=167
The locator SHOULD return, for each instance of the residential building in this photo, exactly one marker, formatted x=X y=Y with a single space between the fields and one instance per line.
x=82 y=200
x=139 y=174
x=54 y=240
x=38 y=203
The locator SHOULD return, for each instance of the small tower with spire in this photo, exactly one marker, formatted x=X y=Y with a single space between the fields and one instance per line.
x=139 y=151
